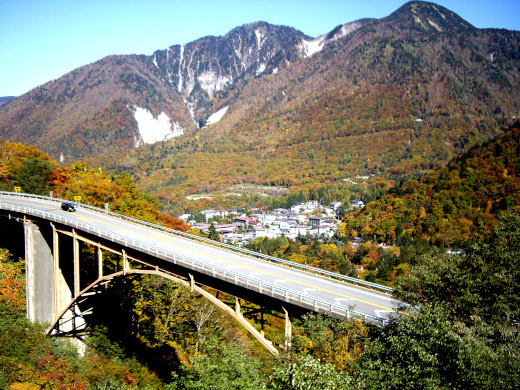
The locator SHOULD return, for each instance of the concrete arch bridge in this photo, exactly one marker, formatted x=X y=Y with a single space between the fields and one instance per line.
x=58 y=290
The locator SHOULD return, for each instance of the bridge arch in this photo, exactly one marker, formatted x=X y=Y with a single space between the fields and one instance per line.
x=68 y=319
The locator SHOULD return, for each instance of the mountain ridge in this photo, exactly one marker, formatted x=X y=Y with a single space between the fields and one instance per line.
x=390 y=96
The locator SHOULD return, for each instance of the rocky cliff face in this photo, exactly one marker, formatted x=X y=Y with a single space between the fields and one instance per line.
x=168 y=93
x=212 y=65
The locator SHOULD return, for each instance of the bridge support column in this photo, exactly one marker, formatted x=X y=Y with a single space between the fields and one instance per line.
x=126 y=266
x=40 y=274
x=62 y=293
x=100 y=261
x=75 y=250
x=238 y=312
x=48 y=293
x=288 y=330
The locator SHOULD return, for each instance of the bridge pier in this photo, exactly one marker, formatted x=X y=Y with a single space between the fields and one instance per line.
x=288 y=330
x=76 y=273
x=47 y=291
x=62 y=293
x=40 y=274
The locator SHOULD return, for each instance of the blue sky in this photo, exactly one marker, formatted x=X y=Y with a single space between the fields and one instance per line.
x=41 y=40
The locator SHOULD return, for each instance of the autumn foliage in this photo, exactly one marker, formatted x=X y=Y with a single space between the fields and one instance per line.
x=35 y=172
x=451 y=205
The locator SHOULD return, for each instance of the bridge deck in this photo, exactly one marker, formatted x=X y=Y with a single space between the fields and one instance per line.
x=273 y=279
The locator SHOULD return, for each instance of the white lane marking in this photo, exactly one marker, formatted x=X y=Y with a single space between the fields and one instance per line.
x=342 y=299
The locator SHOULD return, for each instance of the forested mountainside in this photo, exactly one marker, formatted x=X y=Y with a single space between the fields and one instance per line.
x=267 y=104
x=451 y=205
x=36 y=173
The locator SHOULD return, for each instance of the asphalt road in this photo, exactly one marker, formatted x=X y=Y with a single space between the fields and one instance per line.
x=362 y=299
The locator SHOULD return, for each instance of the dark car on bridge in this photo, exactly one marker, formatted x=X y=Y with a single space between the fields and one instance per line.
x=67 y=206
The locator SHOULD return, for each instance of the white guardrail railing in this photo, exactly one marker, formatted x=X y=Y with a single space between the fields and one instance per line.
x=251 y=283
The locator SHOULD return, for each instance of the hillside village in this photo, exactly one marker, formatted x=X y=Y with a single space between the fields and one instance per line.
x=302 y=219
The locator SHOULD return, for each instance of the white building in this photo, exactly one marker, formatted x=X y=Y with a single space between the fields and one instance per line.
x=335 y=205
x=357 y=203
x=263 y=232
x=208 y=214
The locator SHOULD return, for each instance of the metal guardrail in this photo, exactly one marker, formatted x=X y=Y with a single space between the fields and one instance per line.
x=251 y=283
x=273 y=259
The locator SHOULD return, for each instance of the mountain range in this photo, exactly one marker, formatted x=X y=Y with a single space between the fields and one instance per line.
x=5 y=99
x=268 y=104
